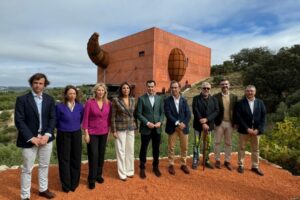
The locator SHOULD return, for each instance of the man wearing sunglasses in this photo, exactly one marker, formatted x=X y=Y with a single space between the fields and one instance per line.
x=205 y=110
x=224 y=123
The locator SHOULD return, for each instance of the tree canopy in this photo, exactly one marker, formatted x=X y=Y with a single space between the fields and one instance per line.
x=275 y=75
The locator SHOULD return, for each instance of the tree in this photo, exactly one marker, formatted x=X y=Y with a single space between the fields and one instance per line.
x=275 y=76
x=249 y=57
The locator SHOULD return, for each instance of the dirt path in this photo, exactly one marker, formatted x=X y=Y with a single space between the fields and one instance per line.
x=211 y=184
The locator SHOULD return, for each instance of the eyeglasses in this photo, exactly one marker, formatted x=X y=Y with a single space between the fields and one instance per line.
x=205 y=88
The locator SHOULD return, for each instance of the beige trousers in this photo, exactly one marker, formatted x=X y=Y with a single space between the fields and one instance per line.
x=223 y=130
x=254 y=141
x=183 y=138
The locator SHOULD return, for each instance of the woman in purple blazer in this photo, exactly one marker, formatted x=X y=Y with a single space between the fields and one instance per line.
x=69 y=115
x=96 y=125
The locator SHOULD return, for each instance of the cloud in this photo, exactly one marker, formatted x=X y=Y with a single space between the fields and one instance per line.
x=51 y=36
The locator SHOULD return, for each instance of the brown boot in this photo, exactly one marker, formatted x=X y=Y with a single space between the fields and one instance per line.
x=171 y=170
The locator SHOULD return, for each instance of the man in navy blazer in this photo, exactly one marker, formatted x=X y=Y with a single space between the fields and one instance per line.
x=178 y=116
x=35 y=121
x=251 y=117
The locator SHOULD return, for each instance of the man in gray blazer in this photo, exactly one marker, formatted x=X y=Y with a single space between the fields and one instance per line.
x=150 y=113
x=35 y=121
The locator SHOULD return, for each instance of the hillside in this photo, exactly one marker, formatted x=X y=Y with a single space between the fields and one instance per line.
x=234 y=79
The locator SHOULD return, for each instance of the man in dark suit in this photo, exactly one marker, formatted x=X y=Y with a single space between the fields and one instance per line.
x=205 y=110
x=225 y=122
x=35 y=121
x=251 y=117
x=150 y=113
x=178 y=116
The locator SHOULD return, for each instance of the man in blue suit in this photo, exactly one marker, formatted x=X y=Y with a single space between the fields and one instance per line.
x=35 y=121
x=178 y=116
x=251 y=117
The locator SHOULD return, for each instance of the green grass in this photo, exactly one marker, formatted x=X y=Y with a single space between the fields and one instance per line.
x=11 y=155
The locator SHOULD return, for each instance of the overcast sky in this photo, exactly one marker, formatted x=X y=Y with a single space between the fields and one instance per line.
x=50 y=36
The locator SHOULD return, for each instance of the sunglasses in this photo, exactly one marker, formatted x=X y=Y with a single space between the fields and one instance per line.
x=205 y=88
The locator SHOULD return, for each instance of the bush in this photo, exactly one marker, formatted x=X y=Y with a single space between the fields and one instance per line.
x=10 y=155
x=5 y=116
x=293 y=98
x=294 y=111
x=282 y=144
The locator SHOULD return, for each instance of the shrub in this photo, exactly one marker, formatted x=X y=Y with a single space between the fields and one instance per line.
x=294 y=110
x=5 y=116
x=282 y=144
x=10 y=155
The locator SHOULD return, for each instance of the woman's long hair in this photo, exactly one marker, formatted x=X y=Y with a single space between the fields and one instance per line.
x=120 y=89
x=65 y=96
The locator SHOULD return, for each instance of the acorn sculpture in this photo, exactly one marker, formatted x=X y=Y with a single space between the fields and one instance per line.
x=96 y=54
x=177 y=64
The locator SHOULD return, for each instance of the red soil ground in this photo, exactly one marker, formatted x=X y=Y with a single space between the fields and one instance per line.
x=209 y=184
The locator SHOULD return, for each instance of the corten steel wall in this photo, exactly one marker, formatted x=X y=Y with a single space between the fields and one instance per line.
x=127 y=65
x=198 y=56
x=125 y=62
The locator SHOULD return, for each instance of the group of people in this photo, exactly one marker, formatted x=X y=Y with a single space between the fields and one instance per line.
x=36 y=117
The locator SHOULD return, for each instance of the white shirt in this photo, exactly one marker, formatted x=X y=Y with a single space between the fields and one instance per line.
x=251 y=105
x=38 y=101
x=71 y=106
x=151 y=99
x=176 y=101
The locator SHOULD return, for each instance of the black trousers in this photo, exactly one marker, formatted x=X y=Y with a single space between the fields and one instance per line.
x=96 y=153
x=69 y=146
x=145 y=139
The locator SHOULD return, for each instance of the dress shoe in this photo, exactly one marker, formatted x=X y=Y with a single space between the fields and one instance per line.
x=25 y=199
x=195 y=164
x=185 y=169
x=208 y=165
x=92 y=186
x=156 y=171
x=142 y=174
x=100 y=180
x=47 y=194
x=240 y=169
x=66 y=190
x=218 y=164
x=257 y=171
x=228 y=165
x=123 y=179
x=131 y=176
x=171 y=170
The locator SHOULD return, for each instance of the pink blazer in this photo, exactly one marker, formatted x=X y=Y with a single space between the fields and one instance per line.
x=96 y=120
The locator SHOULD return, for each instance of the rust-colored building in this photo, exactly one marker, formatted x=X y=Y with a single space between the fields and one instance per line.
x=145 y=55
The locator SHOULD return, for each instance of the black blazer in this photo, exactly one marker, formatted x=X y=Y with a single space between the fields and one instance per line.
x=247 y=120
x=204 y=109
x=27 y=118
x=172 y=115
x=232 y=104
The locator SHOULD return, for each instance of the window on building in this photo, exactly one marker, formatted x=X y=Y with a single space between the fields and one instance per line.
x=141 y=53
